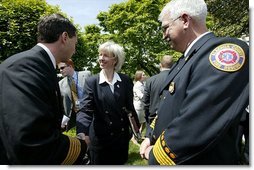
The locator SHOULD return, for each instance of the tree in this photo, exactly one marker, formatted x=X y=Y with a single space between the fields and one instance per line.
x=231 y=18
x=87 y=49
x=18 y=20
x=135 y=25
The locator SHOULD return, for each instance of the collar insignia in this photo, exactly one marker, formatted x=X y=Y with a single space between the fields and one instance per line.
x=171 y=87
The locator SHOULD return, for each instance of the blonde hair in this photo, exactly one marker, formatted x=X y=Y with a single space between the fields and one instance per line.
x=116 y=50
x=138 y=75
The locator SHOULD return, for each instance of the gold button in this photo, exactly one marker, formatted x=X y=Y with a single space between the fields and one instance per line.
x=166 y=150
x=172 y=155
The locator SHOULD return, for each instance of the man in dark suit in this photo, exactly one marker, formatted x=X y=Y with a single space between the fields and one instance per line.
x=203 y=96
x=71 y=97
x=153 y=87
x=30 y=100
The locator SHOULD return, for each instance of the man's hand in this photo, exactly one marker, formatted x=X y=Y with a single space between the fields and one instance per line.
x=145 y=148
x=82 y=136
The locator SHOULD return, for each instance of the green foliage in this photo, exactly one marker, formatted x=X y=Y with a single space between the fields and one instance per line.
x=133 y=24
x=231 y=18
x=18 y=20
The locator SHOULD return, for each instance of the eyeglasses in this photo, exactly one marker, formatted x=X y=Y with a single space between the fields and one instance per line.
x=63 y=67
x=165 y=27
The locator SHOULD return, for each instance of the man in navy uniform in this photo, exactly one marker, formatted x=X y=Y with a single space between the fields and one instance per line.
x=203 y=96
x=30 y=101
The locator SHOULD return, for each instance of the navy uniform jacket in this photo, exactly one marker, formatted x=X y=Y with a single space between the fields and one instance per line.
x=202 y=102
x=103 y=118
x=31 y=113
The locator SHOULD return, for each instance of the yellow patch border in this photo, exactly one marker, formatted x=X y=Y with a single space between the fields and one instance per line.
x=227 y=68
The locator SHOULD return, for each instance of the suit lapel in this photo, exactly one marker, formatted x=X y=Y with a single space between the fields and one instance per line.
x=183 y=60
x=110 y=98
x=173 y=73
x=117 y=90
x=67 y=88
x=53 y=74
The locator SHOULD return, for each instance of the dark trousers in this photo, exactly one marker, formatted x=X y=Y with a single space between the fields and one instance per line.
x=117 y=155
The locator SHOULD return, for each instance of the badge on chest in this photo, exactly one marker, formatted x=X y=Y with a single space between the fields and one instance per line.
x=171 y=87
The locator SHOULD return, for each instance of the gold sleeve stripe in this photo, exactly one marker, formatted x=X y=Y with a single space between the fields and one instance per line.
x=153 y=122
x=74 y=151
x=160 y=154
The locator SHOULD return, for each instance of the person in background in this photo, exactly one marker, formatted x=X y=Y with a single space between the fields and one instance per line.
x=72 y=92
x=138 y=92
x=204 y=94
x=153 y=86
x=30 y=101
x=103 y=118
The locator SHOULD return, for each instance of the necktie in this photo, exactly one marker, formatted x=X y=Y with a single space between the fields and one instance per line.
x=74 y=94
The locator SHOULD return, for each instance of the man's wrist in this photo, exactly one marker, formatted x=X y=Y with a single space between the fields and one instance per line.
x=81 y=136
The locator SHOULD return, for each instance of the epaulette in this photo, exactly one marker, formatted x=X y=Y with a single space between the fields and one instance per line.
x=153 y=122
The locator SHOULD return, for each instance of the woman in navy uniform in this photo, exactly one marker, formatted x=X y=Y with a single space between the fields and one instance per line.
x=103 y=117
x=204 y=95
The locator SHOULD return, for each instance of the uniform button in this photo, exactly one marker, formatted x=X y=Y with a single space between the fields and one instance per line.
x=111 y=133
x=122 y=129
x=106 y=112
x=121 y=119
x=164 y=98
x=110 y=123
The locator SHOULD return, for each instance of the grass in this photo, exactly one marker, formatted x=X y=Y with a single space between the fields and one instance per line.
x=134 y=157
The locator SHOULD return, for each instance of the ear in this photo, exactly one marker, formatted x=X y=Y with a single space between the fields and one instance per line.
x=186 y=20
x=64 y=36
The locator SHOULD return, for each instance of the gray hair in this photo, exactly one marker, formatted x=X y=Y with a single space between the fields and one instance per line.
x=197 y=9
x=117 y=51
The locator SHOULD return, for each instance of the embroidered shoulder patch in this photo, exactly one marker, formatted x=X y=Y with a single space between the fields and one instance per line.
x=227 y=57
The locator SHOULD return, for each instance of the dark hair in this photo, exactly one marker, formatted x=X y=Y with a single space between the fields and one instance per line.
x=51 y=27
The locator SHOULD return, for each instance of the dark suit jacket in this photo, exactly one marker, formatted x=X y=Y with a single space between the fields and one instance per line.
x=152 y=94
x=31 y=112
x=104 y=119
x=202 y=104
